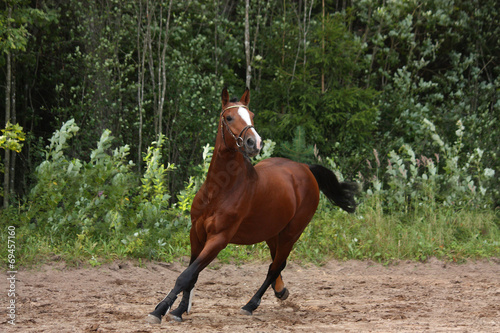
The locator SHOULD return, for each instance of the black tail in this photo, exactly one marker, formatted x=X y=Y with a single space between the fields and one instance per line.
x=339 y=193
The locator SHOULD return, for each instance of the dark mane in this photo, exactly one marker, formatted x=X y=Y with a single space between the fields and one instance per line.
x=233 y=100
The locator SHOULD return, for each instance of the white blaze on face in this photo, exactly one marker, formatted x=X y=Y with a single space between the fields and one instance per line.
x=245 y=115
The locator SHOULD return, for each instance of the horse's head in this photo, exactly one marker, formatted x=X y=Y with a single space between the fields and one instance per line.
x=237 y=122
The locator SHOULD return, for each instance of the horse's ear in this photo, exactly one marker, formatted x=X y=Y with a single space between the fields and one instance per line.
x=224 y=96
x=245 y=99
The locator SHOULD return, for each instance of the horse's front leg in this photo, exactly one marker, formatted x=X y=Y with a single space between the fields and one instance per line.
x=197 y=246
x=184 y=306
x=187 y=279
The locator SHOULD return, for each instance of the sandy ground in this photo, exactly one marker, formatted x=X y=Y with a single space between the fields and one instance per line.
x=353 y=296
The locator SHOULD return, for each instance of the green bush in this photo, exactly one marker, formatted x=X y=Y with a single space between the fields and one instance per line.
x=75 y=197
x=412 y=181
x=11 y=137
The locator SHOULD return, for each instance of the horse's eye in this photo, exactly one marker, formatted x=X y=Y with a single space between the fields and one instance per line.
x=229 y=118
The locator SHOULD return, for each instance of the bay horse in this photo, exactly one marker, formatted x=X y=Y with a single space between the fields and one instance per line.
x=239 y=203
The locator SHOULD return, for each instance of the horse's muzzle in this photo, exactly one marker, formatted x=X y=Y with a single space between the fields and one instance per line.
x=252 y=145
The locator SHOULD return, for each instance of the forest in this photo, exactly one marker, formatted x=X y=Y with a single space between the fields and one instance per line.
x=111 y=110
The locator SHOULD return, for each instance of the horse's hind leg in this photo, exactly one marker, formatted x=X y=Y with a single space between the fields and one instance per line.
x=272 y=274
x=283 y=247
x=282 y=244
x=280 y=291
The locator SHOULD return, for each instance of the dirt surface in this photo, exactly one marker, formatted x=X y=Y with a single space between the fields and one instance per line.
x=353 y=296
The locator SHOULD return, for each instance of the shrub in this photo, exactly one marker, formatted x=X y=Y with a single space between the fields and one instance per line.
x=77 y=197
x=450 y=177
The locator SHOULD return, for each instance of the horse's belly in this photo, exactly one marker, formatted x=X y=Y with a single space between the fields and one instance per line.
x=267 y=219
x=252 y=231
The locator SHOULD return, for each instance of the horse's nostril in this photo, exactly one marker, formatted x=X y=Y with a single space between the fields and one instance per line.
x=250 y=142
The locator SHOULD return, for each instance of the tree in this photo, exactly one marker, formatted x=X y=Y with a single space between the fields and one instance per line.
x=8 y=85
x=14 y=35
x=317 y=84
x=248 y=75
x=353 y=75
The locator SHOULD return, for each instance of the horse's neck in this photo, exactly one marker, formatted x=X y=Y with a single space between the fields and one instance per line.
x=228 y=167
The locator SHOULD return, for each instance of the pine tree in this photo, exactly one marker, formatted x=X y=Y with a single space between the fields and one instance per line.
x=298 y=150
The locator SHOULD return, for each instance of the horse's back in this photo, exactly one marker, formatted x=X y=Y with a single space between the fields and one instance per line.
x=295 y=177
x=276 y=166
x=282 y=170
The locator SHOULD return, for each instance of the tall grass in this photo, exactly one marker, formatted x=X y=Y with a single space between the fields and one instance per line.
x=374 y=234
x=332 y=234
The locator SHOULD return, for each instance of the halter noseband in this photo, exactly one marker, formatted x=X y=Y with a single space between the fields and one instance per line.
x=239 y=138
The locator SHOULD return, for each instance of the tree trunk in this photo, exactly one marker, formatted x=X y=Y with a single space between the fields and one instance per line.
x=141 y=55
x=162 y=71
x=284 y=31
x=247 y=44
x=151 y=64
x=255 y=37
x=307 y=23
x=8 y=82
x=13 y=120
x=216 y=25
x=323 y=50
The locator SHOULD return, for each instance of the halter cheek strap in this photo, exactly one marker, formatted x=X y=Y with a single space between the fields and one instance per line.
x=239 y=138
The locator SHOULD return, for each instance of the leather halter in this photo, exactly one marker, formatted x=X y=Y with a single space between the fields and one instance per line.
x=239 y=138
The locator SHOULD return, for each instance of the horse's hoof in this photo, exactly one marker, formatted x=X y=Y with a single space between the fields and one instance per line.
x=153 y=320
x=245 y=312
x=175 y=318
x=282 y=295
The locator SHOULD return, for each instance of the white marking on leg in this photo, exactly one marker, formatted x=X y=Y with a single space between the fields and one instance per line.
x=190 y=301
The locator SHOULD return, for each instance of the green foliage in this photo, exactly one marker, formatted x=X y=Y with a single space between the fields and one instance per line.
x=384 y=66
x=434 y=60
x=371 y=233
x=15 y=18
x=84 y=207
x=95 y=85
x=292 y=94
x=152 y=202
x=410 y=86
x=59 y=140
x=298 y=150
x=154 y=187
x=411 y=181
x=12 y=137
x=75 y=197
x=266 y=152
